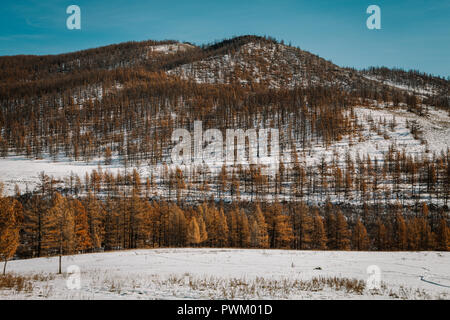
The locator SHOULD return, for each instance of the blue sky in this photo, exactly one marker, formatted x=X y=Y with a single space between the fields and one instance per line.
x=414 y=35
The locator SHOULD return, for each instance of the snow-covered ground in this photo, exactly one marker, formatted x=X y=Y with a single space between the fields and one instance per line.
x=427 y=90
x=434 y=128
x=170 y=48
x=25 y=172
x=273 y=57
x=237 y=274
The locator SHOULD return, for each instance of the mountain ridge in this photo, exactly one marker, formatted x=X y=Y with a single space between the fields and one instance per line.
x=286 y=66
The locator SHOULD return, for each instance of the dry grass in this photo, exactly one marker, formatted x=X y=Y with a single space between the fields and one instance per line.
x=206 y=287
x=238 y=288
x=16 y=283
x=22 y=283
x=283 y=288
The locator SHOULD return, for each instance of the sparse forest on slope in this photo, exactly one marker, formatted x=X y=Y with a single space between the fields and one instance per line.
x=368 y=150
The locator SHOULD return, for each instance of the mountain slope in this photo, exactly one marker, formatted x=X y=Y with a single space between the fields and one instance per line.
x=244 y=60
x=251 y=60
x=268 y=63
x=119 y=105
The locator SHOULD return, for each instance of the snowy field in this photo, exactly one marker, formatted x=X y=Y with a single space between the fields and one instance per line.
x=25 y=172
x=237 y=274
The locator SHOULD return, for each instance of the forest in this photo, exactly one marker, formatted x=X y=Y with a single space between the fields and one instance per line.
x=48 y=223
x=121 y=103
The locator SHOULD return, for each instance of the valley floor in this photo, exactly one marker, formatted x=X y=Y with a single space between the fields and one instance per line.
x=236 y=274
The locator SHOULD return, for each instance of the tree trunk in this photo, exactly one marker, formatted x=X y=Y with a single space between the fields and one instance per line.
x=4 y=267
x=60 y=258
x=59 y=270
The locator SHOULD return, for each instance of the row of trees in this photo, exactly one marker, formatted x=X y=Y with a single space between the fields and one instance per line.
x=57 y=225
x=47 y=223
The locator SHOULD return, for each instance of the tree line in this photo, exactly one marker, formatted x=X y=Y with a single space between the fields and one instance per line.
x=48 y=223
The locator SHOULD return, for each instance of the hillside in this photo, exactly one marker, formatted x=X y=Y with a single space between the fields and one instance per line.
x=121 y=102
x=294 y=152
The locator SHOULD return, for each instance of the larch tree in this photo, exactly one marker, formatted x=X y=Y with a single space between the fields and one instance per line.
x=59 y=226
x=108 y=156
x=222 y=228
x=193 y=233
x=259 y=235
x=10 y=219
x=83 y=241
x=401 y=232
x=360 y=239
x=342 y=232
x=254 y=233
x=381 y=237
x=414 y=234
x=34 y=212
x=302 y=226
x=426 y=235
x=234 y=227
x=244 y=237
x=330 y=226
x=283 y=232
x=319 y=236
x=95 y=216
x=443 y=236
x=202 y=228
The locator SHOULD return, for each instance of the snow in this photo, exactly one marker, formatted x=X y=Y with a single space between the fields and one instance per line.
x=434 y=127
x=428 y=90
x=25 y=172
x=274 y=57
x=170 y=48
x=213 y=274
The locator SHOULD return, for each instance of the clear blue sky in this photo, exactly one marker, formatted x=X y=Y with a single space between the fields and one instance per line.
x=415 y=34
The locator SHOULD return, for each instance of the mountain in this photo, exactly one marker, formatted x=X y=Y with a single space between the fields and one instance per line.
x=244 y=60
x=120 y=104
x=95 y=132
x=258 y=61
